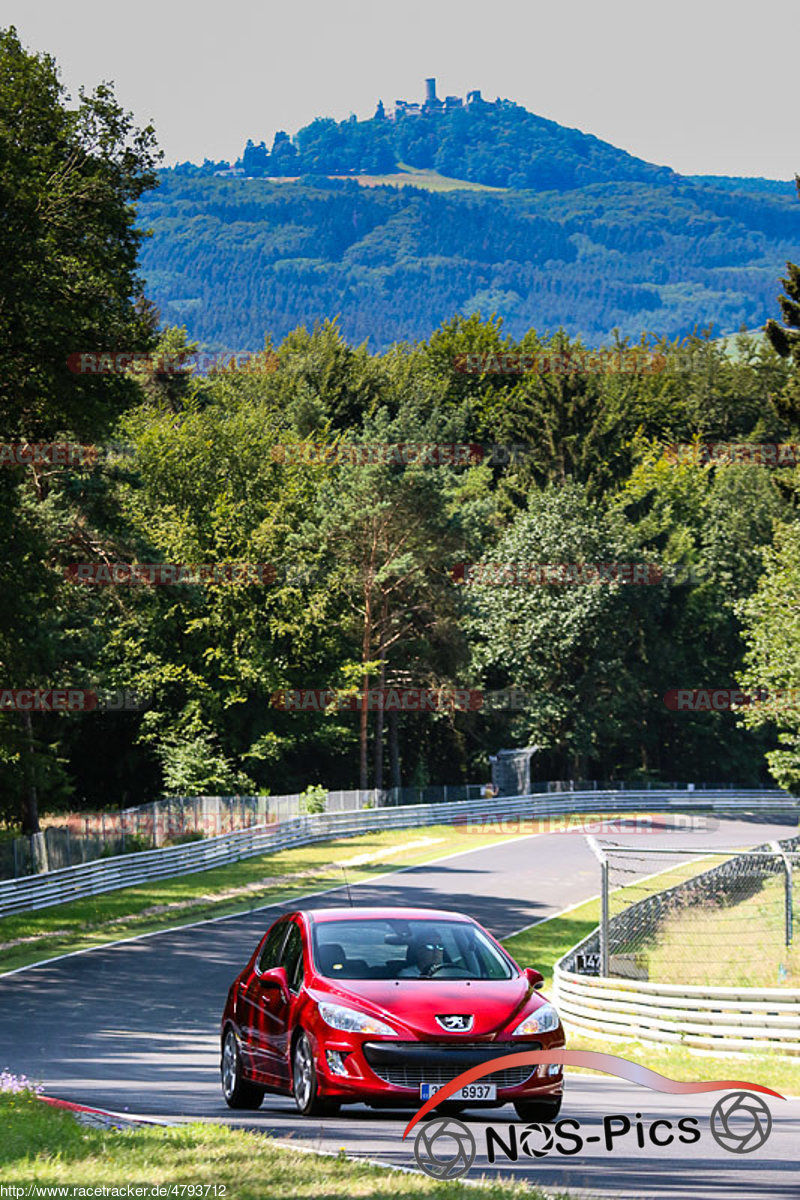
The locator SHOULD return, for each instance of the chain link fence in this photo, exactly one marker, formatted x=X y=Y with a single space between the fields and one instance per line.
x=677 y=916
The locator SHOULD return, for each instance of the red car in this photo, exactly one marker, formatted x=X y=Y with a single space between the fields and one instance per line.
x=382 y=1006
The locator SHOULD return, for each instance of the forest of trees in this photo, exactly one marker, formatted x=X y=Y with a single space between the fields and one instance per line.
x=364 y=588
x=231 y=258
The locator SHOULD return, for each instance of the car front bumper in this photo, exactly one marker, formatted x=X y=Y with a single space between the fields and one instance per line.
x=391 y=1071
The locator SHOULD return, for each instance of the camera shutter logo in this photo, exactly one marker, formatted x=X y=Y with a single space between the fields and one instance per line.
x=740 y=1122
x=536 y=1140
x=444 y=1148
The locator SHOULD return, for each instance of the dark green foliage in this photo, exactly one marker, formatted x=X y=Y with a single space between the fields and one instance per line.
x=68 y=246
x=231 y=258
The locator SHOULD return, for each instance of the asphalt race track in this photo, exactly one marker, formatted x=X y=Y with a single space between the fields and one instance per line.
x=134 y=1027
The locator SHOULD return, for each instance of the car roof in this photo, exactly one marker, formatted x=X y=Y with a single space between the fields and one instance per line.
x=365 y=912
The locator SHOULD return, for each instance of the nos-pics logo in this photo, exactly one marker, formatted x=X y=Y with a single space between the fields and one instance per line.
x=445 y=1148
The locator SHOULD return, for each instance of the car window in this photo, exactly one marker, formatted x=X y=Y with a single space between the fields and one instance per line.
x=394 y=948
x=292 y=958
x=270 y=955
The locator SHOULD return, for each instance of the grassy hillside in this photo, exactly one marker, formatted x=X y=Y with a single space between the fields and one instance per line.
x=421 y=177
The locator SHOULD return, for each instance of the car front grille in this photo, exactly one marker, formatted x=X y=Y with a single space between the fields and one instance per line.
x=412 y=1075
x=408 y=1064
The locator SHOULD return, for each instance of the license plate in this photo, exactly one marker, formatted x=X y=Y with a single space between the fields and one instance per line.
x=472 y=1091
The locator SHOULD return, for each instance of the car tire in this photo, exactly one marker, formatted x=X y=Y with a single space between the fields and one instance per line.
x=305 y=1086
x=238 y=1091
x=538 y=1110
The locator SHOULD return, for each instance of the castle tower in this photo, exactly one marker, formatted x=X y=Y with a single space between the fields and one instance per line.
x=430 y=91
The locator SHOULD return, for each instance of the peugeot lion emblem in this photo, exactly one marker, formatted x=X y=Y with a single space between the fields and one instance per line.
x=456 y=1022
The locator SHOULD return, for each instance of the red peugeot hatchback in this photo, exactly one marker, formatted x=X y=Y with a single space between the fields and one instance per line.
x=383 y=1006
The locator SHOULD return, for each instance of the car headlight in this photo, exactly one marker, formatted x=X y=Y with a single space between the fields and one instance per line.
x=543 y=1020
x=350 y=1020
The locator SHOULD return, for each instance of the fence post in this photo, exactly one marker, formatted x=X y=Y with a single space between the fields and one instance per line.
x=789 y=918
x=39 y=853
x=602 y=858
x=787 y=891
x=604 y=920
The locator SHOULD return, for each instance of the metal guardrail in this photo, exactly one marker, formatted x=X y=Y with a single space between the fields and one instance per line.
x=725 y=1020
x=105 y=875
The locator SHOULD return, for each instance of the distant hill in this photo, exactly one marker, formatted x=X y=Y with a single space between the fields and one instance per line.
x=497 y=143
x=581 y=235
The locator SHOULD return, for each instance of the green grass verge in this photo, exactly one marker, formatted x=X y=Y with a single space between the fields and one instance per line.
x=237 y=887
x=47 y=1147
x=544 y=944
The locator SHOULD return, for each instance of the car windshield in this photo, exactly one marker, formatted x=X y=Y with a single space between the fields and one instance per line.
x=393 y=948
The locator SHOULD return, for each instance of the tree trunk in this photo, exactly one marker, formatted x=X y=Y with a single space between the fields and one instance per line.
x=394 y=748
x=379 y=720
x=30 y=804
x=363 y=774
x=363 y=733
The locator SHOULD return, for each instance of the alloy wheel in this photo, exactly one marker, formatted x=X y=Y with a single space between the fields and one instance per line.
x=230 y=1064
x=303 y=1073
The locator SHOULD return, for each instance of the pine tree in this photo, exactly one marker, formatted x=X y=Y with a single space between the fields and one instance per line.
x=787 y=340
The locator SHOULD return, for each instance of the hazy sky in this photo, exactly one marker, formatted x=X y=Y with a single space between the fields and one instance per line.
x=703 y=86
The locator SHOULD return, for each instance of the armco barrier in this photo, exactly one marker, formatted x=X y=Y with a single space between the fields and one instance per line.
x=724 y=1020
x=105 y=875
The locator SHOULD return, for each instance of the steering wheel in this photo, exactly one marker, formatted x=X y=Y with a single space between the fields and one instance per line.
x=434 y=969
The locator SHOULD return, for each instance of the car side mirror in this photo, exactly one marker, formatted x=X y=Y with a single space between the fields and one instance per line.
x=276 y=977
x=534 y=978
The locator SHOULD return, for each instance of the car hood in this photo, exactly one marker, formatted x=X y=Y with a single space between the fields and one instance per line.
x=416 y=1003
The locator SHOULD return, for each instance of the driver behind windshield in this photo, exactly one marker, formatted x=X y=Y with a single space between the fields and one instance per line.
x=423 y=958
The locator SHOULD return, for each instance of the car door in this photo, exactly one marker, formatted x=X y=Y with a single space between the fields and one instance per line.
x=254 y=1003
x=293 y=960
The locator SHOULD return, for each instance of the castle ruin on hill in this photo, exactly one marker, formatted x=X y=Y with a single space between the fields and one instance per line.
x=431 y=105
